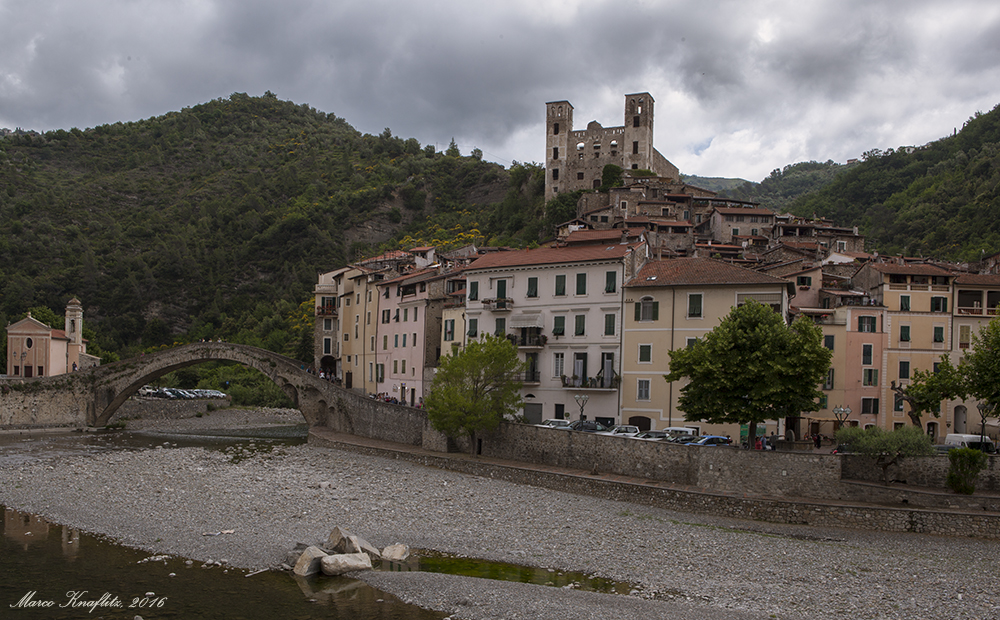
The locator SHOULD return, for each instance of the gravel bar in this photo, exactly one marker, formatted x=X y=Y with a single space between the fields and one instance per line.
x=181 y=501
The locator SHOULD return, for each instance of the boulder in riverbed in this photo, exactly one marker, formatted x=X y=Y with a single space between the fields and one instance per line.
x=309 y=562
x=396 y=553
x=341 y=563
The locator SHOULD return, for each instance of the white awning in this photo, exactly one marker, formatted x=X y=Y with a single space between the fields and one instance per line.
x=526 y=320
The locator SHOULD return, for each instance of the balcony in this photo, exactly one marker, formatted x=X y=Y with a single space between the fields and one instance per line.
x=326 y=311
x=499 y=305
x=591 y=383
x=530 y=376
x=530 y=341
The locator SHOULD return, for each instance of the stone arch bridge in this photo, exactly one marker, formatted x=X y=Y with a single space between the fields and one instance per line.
x=90 y=397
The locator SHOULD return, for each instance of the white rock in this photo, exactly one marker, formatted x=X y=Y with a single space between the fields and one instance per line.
x=396 y=553
x=341 y=563
x=309 y=562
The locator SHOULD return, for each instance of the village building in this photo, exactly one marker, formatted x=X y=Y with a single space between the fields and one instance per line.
x=35 y=349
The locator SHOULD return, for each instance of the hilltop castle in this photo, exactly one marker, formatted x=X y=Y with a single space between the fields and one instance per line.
x=576 y=159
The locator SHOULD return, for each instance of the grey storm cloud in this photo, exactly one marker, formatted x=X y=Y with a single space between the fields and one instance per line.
x=741 y=86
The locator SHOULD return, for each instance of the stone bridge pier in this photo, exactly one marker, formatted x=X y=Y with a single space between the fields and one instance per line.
x=90 y=397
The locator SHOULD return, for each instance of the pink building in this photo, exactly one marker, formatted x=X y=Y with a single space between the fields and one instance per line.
x=36 y=350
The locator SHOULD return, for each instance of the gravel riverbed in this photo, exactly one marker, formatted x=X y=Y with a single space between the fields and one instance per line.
x=166 y=500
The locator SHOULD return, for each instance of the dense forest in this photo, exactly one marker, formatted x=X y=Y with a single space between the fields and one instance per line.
x=213 y=222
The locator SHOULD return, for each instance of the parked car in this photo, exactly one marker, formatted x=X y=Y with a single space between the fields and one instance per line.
x=960 y=440
x=622 y=430
x=653 y=436
x=587 y=426
x=682 y=439
x=564 y=424
x=710 y=440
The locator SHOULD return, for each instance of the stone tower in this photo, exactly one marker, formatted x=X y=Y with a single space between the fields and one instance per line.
x=74 y=322
x=638 y=143
x=558 y=127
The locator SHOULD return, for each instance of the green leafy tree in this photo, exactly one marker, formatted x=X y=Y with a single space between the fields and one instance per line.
x=886 y=448
x=452 y=150
x=475 y=389
x=751 y=368
x=980 y=367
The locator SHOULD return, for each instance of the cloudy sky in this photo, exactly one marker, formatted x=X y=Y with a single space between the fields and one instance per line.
x=741 y=87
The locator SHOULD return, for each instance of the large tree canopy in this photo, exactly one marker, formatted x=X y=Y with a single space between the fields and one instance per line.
x=751 y=368
x=475 y=389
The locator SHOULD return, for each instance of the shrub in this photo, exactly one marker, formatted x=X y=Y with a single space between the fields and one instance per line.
x=966 y=463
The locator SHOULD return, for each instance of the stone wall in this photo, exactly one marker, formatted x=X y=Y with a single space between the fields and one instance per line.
x=923 y=471
x=166 y=408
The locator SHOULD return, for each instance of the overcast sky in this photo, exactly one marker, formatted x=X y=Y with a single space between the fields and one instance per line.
x=741 y=87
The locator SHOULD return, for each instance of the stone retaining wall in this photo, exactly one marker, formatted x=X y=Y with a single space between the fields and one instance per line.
x=815 y=513
x=924 y=471
x=166 y=408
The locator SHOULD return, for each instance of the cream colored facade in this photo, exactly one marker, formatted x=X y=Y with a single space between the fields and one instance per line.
x=36 y=350
x=668 y=305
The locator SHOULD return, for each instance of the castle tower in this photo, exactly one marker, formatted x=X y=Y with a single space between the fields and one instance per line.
x=558 y=126
x=637 y=149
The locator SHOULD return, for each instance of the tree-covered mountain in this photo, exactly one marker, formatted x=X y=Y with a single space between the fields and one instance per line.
x=941 y=199
x=215 y=221
x=784 y=185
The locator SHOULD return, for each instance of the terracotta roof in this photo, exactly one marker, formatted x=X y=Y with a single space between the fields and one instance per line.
x=591 y=252
x=416 y=276
x=743 y=211
x=700 y=272
x=612 y=235
x=977 y=279
x=914 y=270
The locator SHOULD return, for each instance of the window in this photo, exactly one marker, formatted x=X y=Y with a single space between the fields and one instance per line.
x=532 y=287
x=829 y=380
x=395 y=341
x=385 y=342
x=555 y=152
x=690 y=342
x=904 y=303
x=938 y=333
x=327 y=324
x=642 y=391
x=327 y=346
x=404 y=340
x=904 y=333
x=386 y=315
x=500 y=327
x=473 y=328
x=502 y=288
x=866 y=324
x=869 y=405
x=866 y=354
x=380 y=373
x=804 y=281
x=828 y=342
x=402 y=366
x=580 y=324
x=904 y=370
x=694 y=305
x=645 y=353
x=647 y=310
x=558 y=326
x=395 y=367
x=869 y=377
x=939 y=304
x=372 y=347
x=635 y=147
x=609 y=325
x=635 y=121
x=368 y=318
x=415 y=315
x=449 y=329
x=581 y=284
x=561 y=284
x=610 y=281
x=473 y=290
x=558 y=364
x=964 y=336
x=406 y=314
x=555 y=129
x=897 y=402
x=555 y=174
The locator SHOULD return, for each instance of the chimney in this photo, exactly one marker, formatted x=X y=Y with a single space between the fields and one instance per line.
x=624 y=236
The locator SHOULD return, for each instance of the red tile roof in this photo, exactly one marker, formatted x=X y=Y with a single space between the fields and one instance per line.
x=978 y=279
x=592 y=252
x=698 y=271
x=914 y=270
x=611 y=235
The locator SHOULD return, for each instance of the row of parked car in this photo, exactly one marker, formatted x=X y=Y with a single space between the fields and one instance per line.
x=679 y=435
x=175 y=393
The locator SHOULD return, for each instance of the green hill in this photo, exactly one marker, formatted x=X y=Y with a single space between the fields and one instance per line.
x=214 y=221
x=941 y=199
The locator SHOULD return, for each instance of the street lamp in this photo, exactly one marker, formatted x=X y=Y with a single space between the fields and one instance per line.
x=841 y=413
x=581 y=399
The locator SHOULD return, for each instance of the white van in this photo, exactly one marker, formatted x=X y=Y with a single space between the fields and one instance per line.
x=959 y=440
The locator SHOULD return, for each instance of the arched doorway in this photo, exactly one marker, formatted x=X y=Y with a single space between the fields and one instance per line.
x=961 y=419
x=641 y=421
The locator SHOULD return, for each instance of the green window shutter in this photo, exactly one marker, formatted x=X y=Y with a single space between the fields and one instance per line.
x=638 y=311
x=532 y=287
x=473 y=291
x=581 y=284
x=656 y=310
x=559 y=326
x=581 y=324
x=609 y=325
x=611 y=282
x=561 y=285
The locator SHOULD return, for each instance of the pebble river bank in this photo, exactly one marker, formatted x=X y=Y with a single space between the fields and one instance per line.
x=684 y=566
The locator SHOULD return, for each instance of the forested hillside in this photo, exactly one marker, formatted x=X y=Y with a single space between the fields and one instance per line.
x=214 y=221
x=941 y=199
x=784 y=185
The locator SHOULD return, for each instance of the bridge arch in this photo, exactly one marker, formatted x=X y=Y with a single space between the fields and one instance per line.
x=115 y=383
